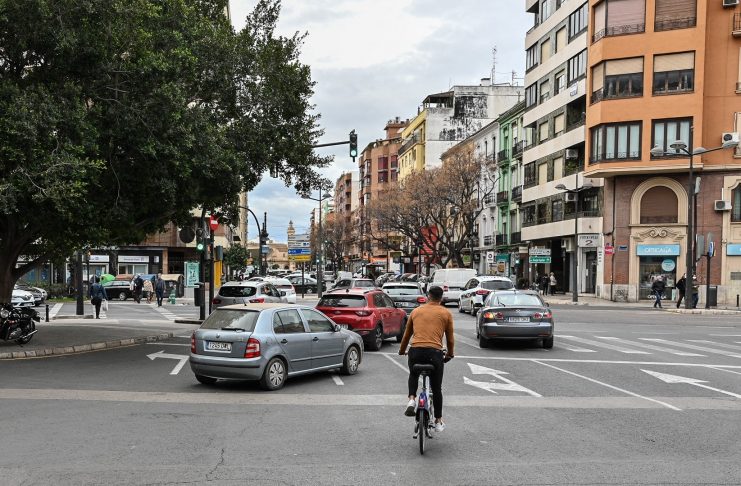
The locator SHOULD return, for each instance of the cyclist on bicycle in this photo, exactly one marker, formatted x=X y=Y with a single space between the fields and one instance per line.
x=425 y=328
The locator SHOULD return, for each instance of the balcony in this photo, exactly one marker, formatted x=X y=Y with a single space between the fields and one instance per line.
x=503 y=155
x=502 y=240
x=576 y=123
x=489 y=200
x=672 y=24
x=619 y=30
x=517 y=194
x=737 y=24
x=409 y=143
x=515 y=238
x=488 y=240
x=503 y=197
x=518 y=148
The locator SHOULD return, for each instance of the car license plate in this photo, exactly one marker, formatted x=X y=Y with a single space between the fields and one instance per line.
x=518 y=319
x=213 y=346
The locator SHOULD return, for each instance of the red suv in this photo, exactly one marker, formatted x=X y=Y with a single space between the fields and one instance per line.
x=368 y=312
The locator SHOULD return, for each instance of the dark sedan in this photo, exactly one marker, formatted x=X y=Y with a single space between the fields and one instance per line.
x=514 y=314
x=406 y=296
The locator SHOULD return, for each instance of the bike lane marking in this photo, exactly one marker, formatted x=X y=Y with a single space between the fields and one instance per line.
x=622 y=390
x=406 y=370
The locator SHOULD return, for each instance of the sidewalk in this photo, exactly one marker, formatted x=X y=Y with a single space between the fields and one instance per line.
x=591 y=300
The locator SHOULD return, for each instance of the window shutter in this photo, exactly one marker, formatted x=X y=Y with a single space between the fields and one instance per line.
x=543 y=132
x=598 y=77
x=542 y=174
x=626 y=12
x=558 y=123
x=624 y=66
x=557 y=168
x=674 y=62
x=667 y=10
x=599 y=17
x=545 y=50
x=560 y=39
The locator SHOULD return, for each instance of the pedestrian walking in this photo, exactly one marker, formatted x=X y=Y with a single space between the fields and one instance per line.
x=97 y=296
x=695 y=292
x=159 y=288
x=552 y=283
x=544 y=281
x=138 y=286
x=681 y=287
x=658 y=287
x=148 y=289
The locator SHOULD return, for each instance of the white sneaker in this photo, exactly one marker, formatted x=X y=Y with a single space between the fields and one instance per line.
x=439 y=426
x=409 y=412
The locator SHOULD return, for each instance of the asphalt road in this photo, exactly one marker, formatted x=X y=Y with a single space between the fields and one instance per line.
x=596 y=409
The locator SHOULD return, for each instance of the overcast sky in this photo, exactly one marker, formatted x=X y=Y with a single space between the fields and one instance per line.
x=374 y=60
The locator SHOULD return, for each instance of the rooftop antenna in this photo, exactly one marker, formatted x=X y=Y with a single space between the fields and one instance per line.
x=494 y=65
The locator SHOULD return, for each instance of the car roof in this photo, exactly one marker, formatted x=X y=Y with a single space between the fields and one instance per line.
x=401 y=284
x=516 y=291
x=262 y=307
x=489 y=278
x=279 y=281
x=351 y=291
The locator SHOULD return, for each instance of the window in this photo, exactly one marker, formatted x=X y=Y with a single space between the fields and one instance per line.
x=543 y=132
x=557 y=210
x=291 y=320
x=619 y=17
x=577 y=67
x=557 y=168
x=383 y=177
x=530 y=175
x=675 y=14
x=674 y=73
x=578 y=21
x=736 y=205
x=619 y=78
x=560 y=83
x=528 y=215
x=531 y=57
x=545 y=90
x=618 y=141
x=546 y=9
x=558 y=124
x=543 y=173
x=277 y=325
x=545 y=50
x=542 y=212
x=531 y=95
x=668 y=131
x=317 y=321
x=378 y=300
x=659 y=205
x=383 y=163
x=560 y=39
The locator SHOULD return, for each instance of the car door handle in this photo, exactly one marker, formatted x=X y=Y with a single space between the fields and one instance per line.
x=284 y=341
x=315 y=339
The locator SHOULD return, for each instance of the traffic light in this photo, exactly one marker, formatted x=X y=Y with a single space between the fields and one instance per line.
x=353 y=145
x=200 y=241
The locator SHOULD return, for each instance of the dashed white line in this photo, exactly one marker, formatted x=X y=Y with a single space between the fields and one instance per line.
x=337 y=380
x=575 y=349
x=602 y=345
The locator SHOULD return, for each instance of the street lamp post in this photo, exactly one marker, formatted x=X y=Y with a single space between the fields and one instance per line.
x=681 y=147
x=575 y=254
x=263 y=235
x=320 y=239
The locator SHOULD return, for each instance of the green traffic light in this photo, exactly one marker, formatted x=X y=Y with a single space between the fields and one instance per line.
x=199 y=247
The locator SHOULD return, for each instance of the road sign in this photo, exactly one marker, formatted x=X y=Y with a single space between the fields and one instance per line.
x=540 y=251
x=609 y=249
x=300 y=258
x=213 y=223
x=299 y=251
x=265 y=249
x=711 y=249
x=540 y=259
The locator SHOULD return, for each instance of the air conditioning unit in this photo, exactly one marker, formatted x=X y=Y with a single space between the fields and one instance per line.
x=730 y=3
x=570 y=197
x=721 y=205
x=572 y=154
x=731 y=136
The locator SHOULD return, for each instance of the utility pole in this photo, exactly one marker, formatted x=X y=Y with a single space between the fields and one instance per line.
x=264 y=243
x=78 y=283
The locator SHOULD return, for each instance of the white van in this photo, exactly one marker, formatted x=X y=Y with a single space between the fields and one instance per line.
x=452 y=280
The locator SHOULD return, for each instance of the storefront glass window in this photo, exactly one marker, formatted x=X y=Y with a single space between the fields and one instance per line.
x=651 y=267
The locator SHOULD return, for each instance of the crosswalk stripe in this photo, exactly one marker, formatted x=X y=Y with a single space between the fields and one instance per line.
x=720 y=345
x=603 y=345
x=692 y=346
x=575 y=349
x=650 y=346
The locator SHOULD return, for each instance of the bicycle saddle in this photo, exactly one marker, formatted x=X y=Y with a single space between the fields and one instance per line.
x=420 y=368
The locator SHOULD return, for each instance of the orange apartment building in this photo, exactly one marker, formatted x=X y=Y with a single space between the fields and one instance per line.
x=661 y=71
x=379 y=166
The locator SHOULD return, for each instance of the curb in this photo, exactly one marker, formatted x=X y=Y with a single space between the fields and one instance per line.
x=704 y=311
x=85 y=316
x=83 y=348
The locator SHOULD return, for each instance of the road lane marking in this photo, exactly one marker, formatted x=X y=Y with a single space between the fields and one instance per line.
x=692 y=346
x=674 y=379
x=466 y=341
x=406 y=370
x=54 y=310
x=337 y=380
x=575 y=349
x=720 y=345
x=507 y=384
x=602 y=345
x=622 y=390
x=182 y=358
x=169 y=344
x=651 y=346
x=725 y=335
x=723 y=369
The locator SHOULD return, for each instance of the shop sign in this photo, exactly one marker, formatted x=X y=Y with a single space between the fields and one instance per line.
x=132 y=259
x=657 y=250
x=590 y=240
x=192 y=271
x=522 y=249
x=668 y=265
x=99 y=259
x=733 y=249
x=540 y=251
x=490 y=256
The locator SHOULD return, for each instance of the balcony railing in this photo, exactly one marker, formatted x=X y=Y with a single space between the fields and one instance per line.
x=409 y=143
x=502 y=240
x=502 y=155
x=737 y=24
x=515 y=238
x=575 y=123
x=489 y=199
x=518 y=148
x=502 y=197
x=488 y=240
x=619 y=30
x=517 y=193
x=671 y=24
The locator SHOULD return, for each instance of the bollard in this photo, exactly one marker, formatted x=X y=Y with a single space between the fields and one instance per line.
x=171 y=297
x=737 y=300
x=47 y=312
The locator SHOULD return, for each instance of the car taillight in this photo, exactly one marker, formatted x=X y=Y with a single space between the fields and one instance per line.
x=493 y=315
x=259 y=300
x=253 y=348
x=363 y=313
x=544 y=315
x=482 y=292
x=421 y=300
x=193 y=343
x=216 y=301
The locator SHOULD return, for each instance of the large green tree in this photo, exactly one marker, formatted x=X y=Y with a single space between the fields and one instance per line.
x=118 y=116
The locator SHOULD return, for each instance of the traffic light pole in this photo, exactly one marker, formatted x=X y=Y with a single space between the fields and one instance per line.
x=202 y=285
x=212 y=277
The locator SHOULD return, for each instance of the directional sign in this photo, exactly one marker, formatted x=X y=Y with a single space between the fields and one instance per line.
x=540 y=259
x=490 y=386
x=299 y=251
x=300 y=258
x=180 y=357
x=674 y=379
x=540 y=251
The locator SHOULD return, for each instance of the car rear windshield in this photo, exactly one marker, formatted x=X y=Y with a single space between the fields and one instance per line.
x=402 y=290
x=237 y=291
x=497 y=285
x=517 y=300
x=232 y=319
x=342 y=301
x=364 y=283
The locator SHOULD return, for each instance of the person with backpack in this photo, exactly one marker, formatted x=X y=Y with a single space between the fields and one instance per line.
x=97 y=295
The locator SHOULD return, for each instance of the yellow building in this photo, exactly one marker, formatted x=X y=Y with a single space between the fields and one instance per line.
x=412 y=151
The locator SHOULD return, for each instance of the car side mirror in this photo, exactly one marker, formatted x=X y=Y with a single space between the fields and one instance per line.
x=282 y=293
x=336 y=328
x=547 y=304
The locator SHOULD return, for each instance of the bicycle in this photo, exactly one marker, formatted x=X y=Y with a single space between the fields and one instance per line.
x=423 y=410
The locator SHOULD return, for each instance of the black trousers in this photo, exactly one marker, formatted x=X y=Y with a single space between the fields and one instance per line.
x=96 y=303
x=428 y=356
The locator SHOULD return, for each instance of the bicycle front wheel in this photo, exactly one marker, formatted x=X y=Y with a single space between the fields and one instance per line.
x=423 y=424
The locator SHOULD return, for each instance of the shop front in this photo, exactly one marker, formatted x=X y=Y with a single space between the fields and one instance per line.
x=654 y=261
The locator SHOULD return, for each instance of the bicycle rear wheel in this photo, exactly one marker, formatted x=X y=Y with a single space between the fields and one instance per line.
x=423 y=424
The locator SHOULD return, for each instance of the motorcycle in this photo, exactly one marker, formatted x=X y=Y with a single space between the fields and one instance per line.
x=17 y=324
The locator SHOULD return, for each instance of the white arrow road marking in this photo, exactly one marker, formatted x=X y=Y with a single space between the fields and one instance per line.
x=602 y=345
x=673 y=379
x=508 y=384
x=692 y=346
x=161 y=354
x=720 y=345
x=650 y=346
x=609 y=386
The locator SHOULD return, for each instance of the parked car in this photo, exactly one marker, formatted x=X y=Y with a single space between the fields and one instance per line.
x=515 y=314
x=382 y=279
x=353 y=283
x=284 y=286
x=369 y=312
x=21 y=298
x=478 y=288
x=39 y=295
x=452 y=281
x=118 y=289
x=308 y=283
x=406 y=296
x=270 y=343
x=247 y=292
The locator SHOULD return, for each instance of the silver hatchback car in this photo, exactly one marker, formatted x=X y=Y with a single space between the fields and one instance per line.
x=269 y=343
x=249 y=292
